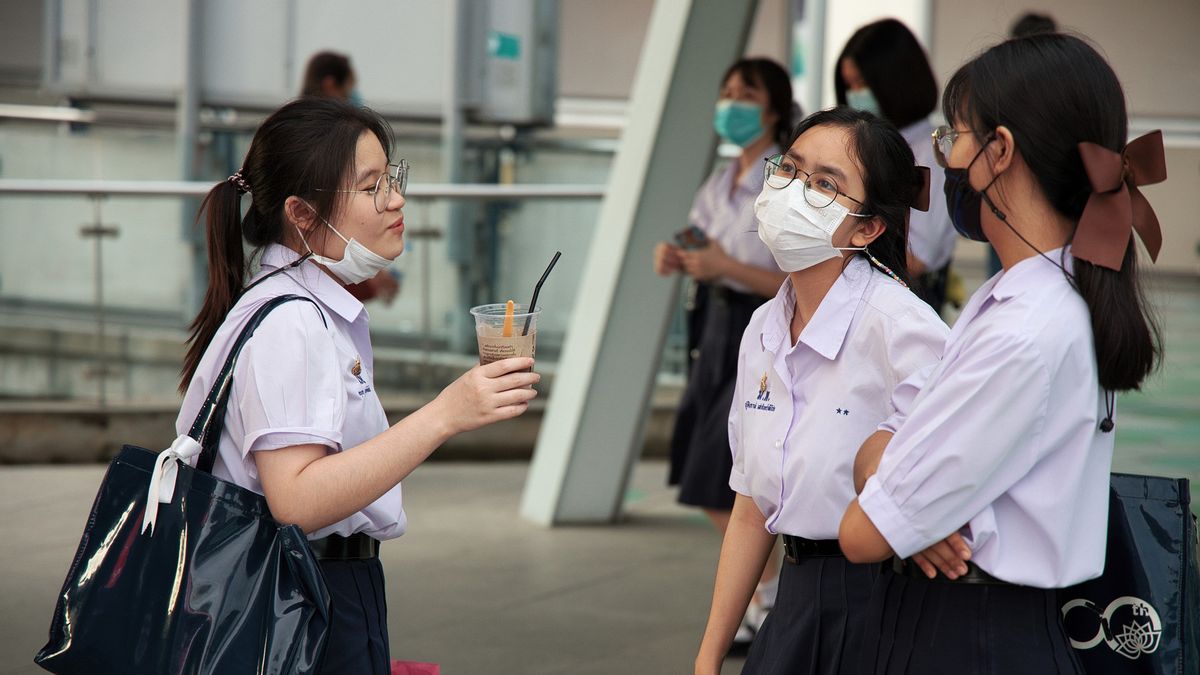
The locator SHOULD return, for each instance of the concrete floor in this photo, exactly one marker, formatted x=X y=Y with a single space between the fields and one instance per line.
x=478 y=590
x=471 y=586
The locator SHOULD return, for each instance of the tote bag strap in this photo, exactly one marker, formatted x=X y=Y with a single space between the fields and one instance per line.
x=206 y=429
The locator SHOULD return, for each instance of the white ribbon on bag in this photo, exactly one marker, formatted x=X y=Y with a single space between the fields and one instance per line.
x=162 y=478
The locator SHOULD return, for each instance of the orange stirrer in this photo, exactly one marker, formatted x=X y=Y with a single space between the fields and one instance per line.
x=508 y=319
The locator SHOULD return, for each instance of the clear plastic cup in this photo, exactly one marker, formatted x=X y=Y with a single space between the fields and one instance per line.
x=489 y=331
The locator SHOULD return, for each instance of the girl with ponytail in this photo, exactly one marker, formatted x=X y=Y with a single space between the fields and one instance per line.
x=993 y=491
x=304 y=426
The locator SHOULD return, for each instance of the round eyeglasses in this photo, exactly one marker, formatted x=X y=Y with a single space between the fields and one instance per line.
x=943 y=143
x=395 y=178
x=820 y=189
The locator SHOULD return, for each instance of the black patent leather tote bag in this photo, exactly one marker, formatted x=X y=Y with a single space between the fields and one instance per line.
x=181 y=572
x=1142 y=616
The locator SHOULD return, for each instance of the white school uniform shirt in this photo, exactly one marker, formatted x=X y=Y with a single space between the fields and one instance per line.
x=730 y=220
x=800 y=412
x=1004 y=438
x=294 y=384
x=931 y=235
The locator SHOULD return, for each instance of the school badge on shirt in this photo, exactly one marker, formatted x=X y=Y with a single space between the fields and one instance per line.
x=764 y=395
x=356 y=371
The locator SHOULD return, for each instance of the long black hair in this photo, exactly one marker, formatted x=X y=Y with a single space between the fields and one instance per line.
x=890 y=176
x=773 y=78
x=895 y=67
x=1020 y=84
x=305 y=148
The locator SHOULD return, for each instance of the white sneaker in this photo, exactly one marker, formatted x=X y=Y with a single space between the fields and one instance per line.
x=766 y=592
x=744 y=634
x=756 y=615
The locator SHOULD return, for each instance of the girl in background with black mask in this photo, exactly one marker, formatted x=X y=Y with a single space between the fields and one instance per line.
x=993 y=491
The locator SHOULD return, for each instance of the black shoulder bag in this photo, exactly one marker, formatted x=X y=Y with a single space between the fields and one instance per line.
x=199 y=580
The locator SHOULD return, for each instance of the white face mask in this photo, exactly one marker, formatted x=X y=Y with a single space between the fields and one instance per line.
x=798 y=234
x=358 y=263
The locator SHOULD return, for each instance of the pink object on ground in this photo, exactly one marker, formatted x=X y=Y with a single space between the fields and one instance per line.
x=415 y=668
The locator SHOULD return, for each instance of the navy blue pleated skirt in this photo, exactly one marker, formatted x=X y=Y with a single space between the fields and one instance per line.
x=700 y=456
x=921 y=627
x=358 y=639
x=817 y=625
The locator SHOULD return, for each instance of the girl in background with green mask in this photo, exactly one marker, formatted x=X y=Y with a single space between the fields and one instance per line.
x=884 y=70
x=732 y=273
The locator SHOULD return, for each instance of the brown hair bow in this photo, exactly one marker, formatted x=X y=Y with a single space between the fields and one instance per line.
x=1116 y=205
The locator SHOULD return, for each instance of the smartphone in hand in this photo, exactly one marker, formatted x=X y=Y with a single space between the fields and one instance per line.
x=691 y=238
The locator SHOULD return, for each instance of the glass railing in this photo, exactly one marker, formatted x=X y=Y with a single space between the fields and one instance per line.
x=98 y=279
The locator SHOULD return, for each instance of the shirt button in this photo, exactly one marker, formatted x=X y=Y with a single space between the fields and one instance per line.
x=779 y=444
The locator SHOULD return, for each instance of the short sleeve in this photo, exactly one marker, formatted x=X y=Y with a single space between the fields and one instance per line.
x=915 y=345
x=287 y=382
x=968 y=439
x=904 y=395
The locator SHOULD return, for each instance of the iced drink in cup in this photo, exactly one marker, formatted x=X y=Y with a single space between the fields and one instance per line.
x=501 y=337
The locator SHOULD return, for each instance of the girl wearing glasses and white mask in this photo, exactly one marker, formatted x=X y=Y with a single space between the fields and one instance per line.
x=304 y=426
x=819 y=368
x=992 y=493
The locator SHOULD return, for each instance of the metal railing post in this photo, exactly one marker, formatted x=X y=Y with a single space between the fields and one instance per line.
x=98 y=231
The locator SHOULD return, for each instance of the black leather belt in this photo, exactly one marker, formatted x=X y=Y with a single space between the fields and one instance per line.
x=357 y=546
x=974 y=575
x=795 y=548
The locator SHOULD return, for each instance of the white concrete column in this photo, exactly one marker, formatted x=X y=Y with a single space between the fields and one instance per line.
x=593 y=430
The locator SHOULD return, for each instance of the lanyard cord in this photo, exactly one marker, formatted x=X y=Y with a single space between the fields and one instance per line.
x=289 y=266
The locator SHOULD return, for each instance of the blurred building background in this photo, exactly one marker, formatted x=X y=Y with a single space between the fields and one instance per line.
x=151 y=90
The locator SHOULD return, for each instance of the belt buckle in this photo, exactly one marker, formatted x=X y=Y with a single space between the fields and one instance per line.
x=791 y=552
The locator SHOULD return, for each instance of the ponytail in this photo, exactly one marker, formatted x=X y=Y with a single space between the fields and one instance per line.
x=222 y=214
x=1127 y=338
x=307 y=149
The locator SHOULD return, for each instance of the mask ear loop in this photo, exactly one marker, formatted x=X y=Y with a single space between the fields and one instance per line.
x=884 y=268
x=1003 y=217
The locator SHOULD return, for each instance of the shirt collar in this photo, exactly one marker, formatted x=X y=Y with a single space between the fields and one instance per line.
x=322 y=286
x=1032 y=272
x=827 y=329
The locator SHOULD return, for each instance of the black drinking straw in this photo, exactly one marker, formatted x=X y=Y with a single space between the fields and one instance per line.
x=538 y=289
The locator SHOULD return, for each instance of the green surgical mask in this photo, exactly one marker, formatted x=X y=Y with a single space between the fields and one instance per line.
x=864 y=100
x=738 y=122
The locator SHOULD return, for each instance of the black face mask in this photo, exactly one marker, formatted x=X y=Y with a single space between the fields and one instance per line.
x=965 y=203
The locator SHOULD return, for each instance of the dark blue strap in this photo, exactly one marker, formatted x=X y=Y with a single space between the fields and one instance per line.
x=206 y=429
